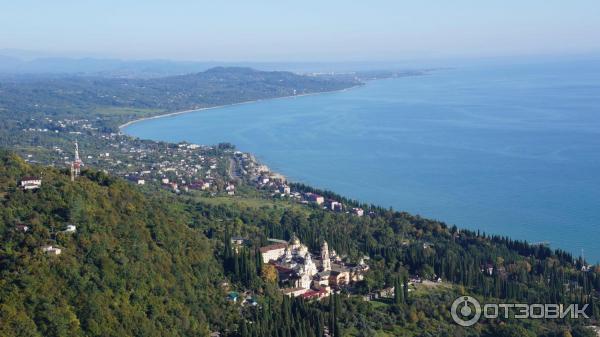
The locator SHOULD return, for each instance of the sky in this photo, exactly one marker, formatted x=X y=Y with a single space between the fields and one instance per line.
x=307 y=30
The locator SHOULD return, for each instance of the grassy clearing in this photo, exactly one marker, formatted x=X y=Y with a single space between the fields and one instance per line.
x=377 y=304
x=427 y=287
x=249 y=202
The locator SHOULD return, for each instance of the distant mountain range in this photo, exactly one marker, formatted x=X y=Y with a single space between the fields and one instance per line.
x=19 y=63
x=100 y=67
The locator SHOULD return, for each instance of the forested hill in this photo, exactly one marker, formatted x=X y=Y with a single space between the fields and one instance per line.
x=143 y=262
x=132 y=268
x=89 y=97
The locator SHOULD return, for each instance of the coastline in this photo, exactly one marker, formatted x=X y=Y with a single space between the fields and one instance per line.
x=169 y=114
x=291 y=177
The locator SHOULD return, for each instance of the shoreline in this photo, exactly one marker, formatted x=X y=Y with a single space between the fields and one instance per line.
x=175 y=113
x=471 y=226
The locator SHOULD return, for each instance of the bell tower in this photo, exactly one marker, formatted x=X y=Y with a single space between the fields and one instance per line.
x=325 y=257
x=76 y=164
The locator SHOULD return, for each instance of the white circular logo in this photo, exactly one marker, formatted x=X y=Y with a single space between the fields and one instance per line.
x=465 y=311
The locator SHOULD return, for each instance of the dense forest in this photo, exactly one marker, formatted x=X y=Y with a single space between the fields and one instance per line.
x=133 y=266
x=158 y=264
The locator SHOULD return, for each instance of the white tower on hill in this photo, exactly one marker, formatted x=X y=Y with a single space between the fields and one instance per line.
x=325 y=257
x=76 y=164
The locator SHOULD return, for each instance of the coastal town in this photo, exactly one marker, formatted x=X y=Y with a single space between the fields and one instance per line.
x=180 y=168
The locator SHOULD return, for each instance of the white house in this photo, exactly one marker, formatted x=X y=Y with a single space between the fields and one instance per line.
x=31 y=183
x=335 y=205
x=358 y=211
x=52 y=250
x=70 y=229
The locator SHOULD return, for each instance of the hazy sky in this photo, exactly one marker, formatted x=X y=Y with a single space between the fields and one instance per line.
x=301 y=30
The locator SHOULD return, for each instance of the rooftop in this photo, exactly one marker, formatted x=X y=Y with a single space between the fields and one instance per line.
x=273 y=247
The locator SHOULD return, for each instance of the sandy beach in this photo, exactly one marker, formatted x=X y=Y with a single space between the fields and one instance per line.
x=227 y=105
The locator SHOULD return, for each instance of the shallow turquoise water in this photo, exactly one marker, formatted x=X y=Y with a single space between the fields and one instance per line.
x=512 y=150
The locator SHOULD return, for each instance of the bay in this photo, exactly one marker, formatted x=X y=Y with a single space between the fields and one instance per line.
x=505 y=149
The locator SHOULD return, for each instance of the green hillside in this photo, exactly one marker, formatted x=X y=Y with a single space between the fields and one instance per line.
x=144 y=262
x=133 y=268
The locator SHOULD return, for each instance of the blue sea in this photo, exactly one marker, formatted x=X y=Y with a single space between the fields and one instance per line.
x=506 y=149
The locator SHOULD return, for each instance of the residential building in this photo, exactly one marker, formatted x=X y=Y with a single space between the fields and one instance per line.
x=51 y=250
x=31 y=183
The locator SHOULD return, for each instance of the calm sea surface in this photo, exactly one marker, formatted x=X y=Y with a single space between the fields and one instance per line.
x=512 y=150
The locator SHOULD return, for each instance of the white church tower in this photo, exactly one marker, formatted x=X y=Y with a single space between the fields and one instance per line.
x=325 y=257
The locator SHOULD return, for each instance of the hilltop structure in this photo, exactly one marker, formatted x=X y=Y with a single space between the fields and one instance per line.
x=76 y=164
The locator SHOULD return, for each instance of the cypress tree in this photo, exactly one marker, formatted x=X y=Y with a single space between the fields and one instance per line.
x=405 y=290
x=398 y=292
